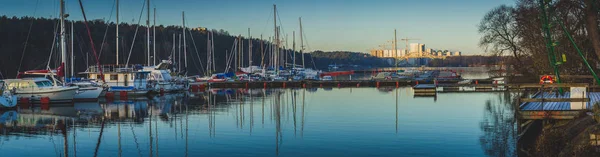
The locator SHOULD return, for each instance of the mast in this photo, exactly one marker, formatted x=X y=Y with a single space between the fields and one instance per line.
x=285 y=51
x=301 y=42
x=294 y=49
x=276 y=39
x=63 y=47
x=395 y=48
x=212 y=50
x=72 y=56
x=249 y=48
x=148 y=34
x=241 y=50
x=208 y=63
x=117 y=32
x=184 y=47
x=154 y=38
x=179 y=59
x=262 y=53
x=173 y=52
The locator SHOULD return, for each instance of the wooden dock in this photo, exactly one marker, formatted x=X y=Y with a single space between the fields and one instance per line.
x=551 y=105
x=425 y=90
x=336 y=83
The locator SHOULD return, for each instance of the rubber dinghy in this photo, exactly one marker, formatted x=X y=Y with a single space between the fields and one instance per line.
x=7 y=98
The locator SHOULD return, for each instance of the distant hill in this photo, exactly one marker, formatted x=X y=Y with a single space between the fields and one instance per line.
x=36 y=50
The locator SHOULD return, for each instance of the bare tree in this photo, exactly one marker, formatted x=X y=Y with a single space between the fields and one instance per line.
x=499 y=31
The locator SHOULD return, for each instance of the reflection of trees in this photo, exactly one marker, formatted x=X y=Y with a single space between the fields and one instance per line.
x=499 y=127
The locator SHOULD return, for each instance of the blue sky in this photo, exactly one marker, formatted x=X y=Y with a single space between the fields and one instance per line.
x=353 y=25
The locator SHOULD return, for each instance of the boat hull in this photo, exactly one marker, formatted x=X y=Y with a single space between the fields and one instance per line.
x=56 y=95
x=88 y=94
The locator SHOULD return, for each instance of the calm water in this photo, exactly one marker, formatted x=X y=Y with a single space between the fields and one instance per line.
x=279 y=122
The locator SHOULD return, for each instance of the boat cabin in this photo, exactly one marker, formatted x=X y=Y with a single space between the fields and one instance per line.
x=120 y=75
x=28 y=84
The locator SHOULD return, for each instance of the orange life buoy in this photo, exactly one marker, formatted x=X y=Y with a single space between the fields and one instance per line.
x=546 y=79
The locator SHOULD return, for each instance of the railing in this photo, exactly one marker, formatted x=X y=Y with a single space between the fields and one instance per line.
x=114 y=68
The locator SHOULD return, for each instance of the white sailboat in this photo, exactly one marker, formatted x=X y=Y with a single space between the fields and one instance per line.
x=37 y=88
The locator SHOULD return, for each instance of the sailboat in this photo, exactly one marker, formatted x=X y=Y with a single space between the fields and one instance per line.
x=122 y=79
x=37 y=88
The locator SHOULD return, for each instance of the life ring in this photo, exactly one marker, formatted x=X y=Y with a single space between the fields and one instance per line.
x=546 y=79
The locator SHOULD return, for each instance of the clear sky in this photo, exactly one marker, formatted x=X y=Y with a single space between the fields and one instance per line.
x=353 y=25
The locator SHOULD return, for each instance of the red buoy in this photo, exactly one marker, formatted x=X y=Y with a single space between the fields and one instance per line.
x=45 y=100
x=358 y=85
x=417 y=82
x=123 y=94
x=265 y=85
x=339 y=85
x=397 y=85
x=24 y=100
x=195 y=88
x=284 y=85
x=304 y=85
x=45 y=106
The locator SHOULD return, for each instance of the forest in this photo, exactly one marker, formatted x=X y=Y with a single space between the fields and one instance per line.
x=29 y=43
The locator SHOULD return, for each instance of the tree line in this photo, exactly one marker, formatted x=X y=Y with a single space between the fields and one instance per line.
x=29 y=43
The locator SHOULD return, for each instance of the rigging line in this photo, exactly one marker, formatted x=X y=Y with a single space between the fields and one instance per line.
x=195 y=65
x=53 y=45
x=268 y=22
x=280 y=25
x=91 y=40
x=197 y=54
x=136 y=32
x=80 y=42
x=106 y=30
x=307 y=45
x=27 y=39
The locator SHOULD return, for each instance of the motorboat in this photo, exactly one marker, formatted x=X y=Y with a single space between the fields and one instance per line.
x=122 y=79
x=88 y=90
x=161 y=77
x=252 y=69
x=327 y=78
x=37 y=88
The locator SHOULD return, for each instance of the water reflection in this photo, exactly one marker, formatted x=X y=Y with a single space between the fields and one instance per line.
x=499 y=126
x=264 y=122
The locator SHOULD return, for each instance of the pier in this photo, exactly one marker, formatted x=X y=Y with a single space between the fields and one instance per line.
x=336 y=83
x=548 y=103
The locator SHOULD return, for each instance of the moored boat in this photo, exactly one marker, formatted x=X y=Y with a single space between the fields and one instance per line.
x=7 y=97
x=37 y=88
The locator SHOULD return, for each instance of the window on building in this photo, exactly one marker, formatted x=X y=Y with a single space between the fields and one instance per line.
x=114 y=77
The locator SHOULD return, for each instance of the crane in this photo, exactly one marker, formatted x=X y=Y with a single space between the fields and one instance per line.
x=407 y=40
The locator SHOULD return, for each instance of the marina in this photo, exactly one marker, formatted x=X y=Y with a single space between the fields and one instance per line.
x=322 y=78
